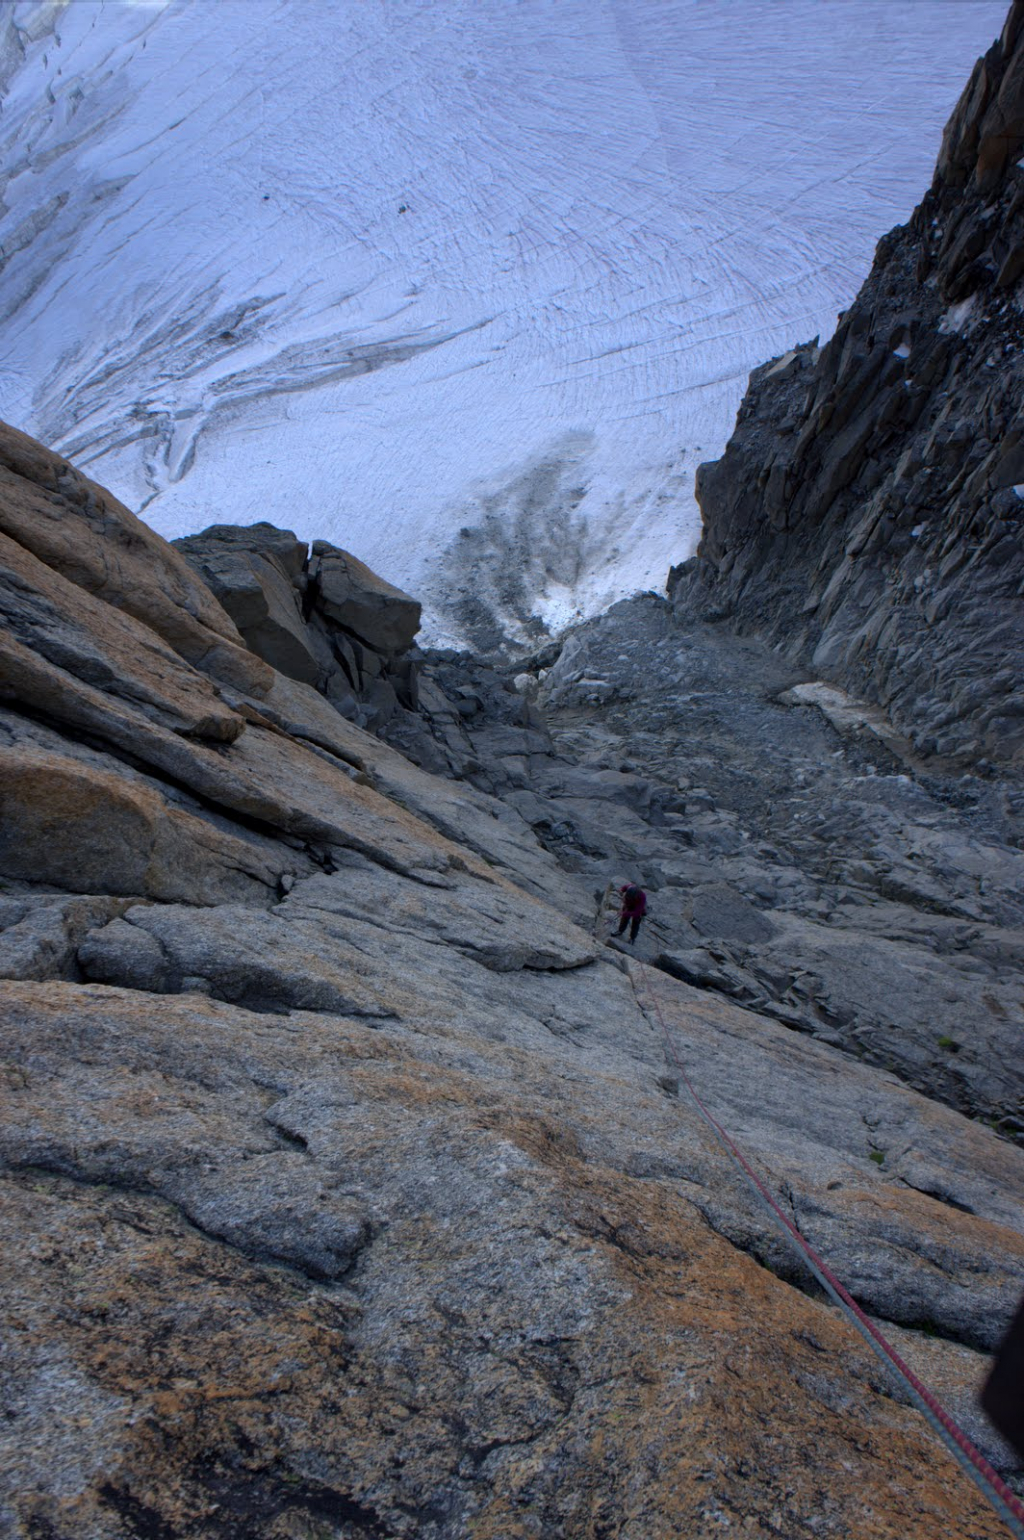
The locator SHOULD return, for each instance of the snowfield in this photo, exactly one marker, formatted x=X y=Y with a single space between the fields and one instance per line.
x=469 y=287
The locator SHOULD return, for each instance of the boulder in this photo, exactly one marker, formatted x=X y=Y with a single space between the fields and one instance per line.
x=330 y=622
x=256 y=573
x=348 y=593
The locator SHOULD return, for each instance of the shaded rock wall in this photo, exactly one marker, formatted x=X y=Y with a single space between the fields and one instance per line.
x=866 y=516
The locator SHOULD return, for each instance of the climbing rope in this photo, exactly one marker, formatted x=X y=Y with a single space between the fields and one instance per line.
x=990 y=1485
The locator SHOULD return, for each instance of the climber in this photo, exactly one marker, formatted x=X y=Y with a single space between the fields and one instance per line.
x=634 y=907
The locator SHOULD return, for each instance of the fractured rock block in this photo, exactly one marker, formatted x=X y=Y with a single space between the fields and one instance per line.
x=348 y=593
x=39 y=933
x=254 y=572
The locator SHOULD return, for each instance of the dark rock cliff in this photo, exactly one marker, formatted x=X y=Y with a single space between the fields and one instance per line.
x=866 y=515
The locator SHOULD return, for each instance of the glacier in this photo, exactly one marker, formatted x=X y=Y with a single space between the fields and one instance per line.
x=467 y=287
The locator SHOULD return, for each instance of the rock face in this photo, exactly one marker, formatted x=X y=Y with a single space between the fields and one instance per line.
x=324 y=619
x=79 y=533
x=801 y=860
x=866 y=516
x=349 y=1185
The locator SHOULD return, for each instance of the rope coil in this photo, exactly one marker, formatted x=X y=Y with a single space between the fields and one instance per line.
x=972 y=1462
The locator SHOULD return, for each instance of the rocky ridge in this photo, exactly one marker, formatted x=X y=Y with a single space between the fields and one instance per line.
x=866 y=515
x=347 y=1187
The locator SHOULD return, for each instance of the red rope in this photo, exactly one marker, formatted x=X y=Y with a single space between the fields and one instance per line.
x=993 y=1488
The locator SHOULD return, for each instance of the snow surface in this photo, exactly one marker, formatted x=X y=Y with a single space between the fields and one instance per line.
x=467 y=286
